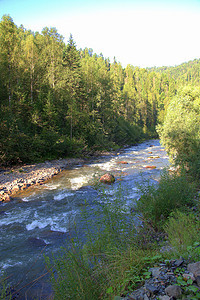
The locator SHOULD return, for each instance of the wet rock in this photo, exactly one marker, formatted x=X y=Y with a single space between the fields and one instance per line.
x=53 y=235
x=150 y=167
x=107 y=178
x=173 y=291
x=32 y=241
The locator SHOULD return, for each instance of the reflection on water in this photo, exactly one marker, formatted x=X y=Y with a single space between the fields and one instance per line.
x=45 y=215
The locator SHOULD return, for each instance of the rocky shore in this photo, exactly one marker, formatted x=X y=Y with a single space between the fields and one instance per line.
x=13 y=180
x=172 y=279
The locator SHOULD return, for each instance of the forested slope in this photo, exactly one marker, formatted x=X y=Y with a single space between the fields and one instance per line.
x=56 y=100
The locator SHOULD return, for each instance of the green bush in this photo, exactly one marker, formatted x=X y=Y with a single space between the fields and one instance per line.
x=158 y=201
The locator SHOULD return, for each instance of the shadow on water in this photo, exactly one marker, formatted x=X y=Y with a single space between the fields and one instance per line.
x=42 y=219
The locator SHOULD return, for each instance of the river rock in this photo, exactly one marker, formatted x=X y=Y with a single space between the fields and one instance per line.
x=173 y=291
x=5 y=198
x=150 y=167
x=36 y=242
x=107 y=178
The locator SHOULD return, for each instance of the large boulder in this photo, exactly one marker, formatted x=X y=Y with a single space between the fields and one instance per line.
x=107 y=178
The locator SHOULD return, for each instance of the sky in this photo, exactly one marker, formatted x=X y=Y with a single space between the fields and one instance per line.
x=142 y=33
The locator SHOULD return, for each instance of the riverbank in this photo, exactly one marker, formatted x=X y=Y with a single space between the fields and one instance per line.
x=13 y=180
x=18 y=178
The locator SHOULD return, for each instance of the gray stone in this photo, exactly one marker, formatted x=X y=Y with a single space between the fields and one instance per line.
x=178 y=262
x=194 y=268
x=198 y=280
x=173 y=291
x=155 y=272
x=137 y=295
x=165 y=297
x=152 y=289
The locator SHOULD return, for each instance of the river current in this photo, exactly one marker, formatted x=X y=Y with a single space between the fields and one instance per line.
x=41 y=220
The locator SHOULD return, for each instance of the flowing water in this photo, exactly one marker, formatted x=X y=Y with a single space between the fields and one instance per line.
x=41 y=219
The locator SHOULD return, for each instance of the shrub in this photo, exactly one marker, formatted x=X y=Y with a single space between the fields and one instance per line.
x=158 y=201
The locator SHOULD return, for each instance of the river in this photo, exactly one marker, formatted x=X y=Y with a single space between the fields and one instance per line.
x=41 y=220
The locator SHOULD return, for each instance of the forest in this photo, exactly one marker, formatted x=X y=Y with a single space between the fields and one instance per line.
x=57 y=100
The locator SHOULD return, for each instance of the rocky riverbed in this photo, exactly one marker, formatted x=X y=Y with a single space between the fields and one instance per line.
x=13 y=180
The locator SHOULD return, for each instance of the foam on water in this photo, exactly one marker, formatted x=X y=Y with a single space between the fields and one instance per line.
x=51 y=186
x=55 y=222
x=14 y=217
x=8 y=263
x=106 y=166
x=39 y=224
x=78 y=182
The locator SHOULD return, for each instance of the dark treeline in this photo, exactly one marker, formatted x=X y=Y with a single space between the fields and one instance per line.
x=56 y=100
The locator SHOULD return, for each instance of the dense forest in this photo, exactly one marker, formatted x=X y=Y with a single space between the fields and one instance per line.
x=57 y=100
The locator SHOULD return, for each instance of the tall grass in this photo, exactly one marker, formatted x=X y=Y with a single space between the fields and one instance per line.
x=158 y=201
x=183 y=231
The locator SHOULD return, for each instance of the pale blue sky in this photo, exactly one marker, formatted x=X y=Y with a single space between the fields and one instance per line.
x=138 y=32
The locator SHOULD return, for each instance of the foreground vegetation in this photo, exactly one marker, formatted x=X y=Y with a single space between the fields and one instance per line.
x=116 y=255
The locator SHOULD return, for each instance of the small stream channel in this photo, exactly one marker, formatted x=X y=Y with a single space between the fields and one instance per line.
x=41 y=219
